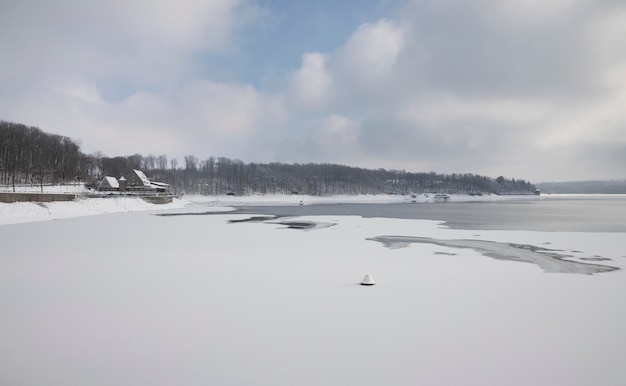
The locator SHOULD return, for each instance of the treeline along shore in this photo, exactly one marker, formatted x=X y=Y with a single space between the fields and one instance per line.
x=29 y=155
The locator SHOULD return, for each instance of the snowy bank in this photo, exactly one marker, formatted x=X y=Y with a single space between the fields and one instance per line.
x=51 y=189
x=20 y=212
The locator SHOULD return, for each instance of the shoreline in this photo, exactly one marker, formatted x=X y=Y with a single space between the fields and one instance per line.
x=20 y=212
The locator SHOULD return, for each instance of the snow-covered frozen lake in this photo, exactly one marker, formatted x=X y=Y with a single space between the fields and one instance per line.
x=138 y=298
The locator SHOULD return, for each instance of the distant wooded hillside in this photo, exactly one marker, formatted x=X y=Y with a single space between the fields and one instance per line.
x=584 y=187
x=30 y=156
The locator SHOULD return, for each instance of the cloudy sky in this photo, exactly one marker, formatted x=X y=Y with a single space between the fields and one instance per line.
x=532 y=89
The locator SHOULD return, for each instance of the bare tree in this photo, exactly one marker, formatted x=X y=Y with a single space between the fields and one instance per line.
x=149 y=162
x=161 y=162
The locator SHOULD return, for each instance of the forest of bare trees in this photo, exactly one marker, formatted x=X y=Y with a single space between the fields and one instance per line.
x=30 y=156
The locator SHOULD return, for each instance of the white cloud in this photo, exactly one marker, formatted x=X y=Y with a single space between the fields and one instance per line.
x=529 y=12
x=230 y=112
x=600 y=123
x=441 y=111
x=136 y=42
x=183 y=25
x=310 y=85
x=205 y=117
x=80 y=92
x=337 y=134
x=357 y=72
x=372 y=51
x=201 y=118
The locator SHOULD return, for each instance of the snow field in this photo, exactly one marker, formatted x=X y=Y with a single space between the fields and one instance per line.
x=134 y=298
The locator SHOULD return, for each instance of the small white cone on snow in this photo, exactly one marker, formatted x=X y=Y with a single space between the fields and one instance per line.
x=367 y=280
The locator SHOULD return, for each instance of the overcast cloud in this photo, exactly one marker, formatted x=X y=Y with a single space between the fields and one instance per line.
x=522 y=88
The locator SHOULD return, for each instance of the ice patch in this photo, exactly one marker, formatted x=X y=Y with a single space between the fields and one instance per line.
x=547 y=259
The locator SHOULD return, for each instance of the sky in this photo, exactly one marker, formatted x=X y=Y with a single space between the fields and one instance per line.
x=526 y=89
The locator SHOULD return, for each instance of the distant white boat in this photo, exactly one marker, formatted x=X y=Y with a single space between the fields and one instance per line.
x=441 y=197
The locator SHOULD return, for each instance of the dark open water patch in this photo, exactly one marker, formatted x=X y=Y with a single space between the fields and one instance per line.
x=300 y=225
x=445 y=254
x=253 y=219
x=207 y=213
x=547 y=259
x=267 y=219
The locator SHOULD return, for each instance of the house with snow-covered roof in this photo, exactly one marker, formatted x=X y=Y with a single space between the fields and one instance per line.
x=137 y=184
x=109 y=184
x=137 y=180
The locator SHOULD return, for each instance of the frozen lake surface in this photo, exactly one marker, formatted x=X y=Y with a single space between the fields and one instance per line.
x=577 y=213
x=137 y=298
